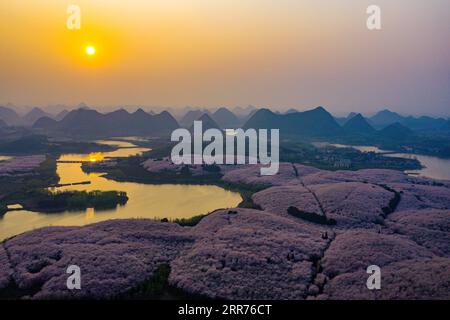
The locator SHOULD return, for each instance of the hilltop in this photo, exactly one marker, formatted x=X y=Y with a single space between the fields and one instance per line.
x=380 y=216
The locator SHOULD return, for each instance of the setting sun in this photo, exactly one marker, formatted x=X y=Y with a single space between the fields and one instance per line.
x=90 y=50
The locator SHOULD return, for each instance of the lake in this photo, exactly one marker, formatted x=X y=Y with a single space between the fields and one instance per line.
x=434 y=167
x=145 y=201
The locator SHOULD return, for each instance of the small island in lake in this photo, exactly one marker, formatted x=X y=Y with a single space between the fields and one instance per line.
x=47 y=201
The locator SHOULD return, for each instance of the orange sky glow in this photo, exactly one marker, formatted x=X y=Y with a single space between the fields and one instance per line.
x=279 y=54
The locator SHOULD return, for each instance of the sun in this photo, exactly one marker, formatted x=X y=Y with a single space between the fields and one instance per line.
x=90 y=50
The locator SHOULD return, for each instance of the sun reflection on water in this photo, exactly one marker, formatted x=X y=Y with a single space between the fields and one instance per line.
x=90 y=214
x=95 y=157
x=145 y=200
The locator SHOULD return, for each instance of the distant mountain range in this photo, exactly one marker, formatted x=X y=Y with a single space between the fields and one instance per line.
x=317 y=122
x=12 y=118
x=91 y=123
x=207 y=123
x=188 y=119
x=343 y=120
x=385 y=118
x=358 y=124
x=35 y=114
x=9 y=116
x=244 y=112
x=61 y=115
x=396 y=131
x=224 y=118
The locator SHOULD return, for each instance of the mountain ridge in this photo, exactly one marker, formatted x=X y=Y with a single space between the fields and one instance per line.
x=89 y=122
x=358 y=125
x=315 y=122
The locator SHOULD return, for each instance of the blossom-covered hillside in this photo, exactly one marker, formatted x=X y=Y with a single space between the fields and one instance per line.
x=20 y=165
x=380 y=217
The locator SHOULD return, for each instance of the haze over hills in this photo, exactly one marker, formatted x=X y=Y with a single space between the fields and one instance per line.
x=188 y=119
x=207 y=123
x=396 y=131
x=61 y=115
x=223 y=117
x=316 y=122
x=385 y=118
x=45 y=123
x=343 y=120
x=226 y=119
x=35 y=114
x=319 y=125
x=291 y=111
x=9 y=116
x=12 y=118
x=358 y=124
x=423 y=123
x=424 y=135
x=91 y=123
x=244 y=113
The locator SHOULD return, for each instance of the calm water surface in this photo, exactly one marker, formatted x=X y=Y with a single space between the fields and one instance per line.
x=434 y=167
x=145 y=201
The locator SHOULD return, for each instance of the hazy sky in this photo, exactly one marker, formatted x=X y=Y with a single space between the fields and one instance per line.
x=281 y=54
